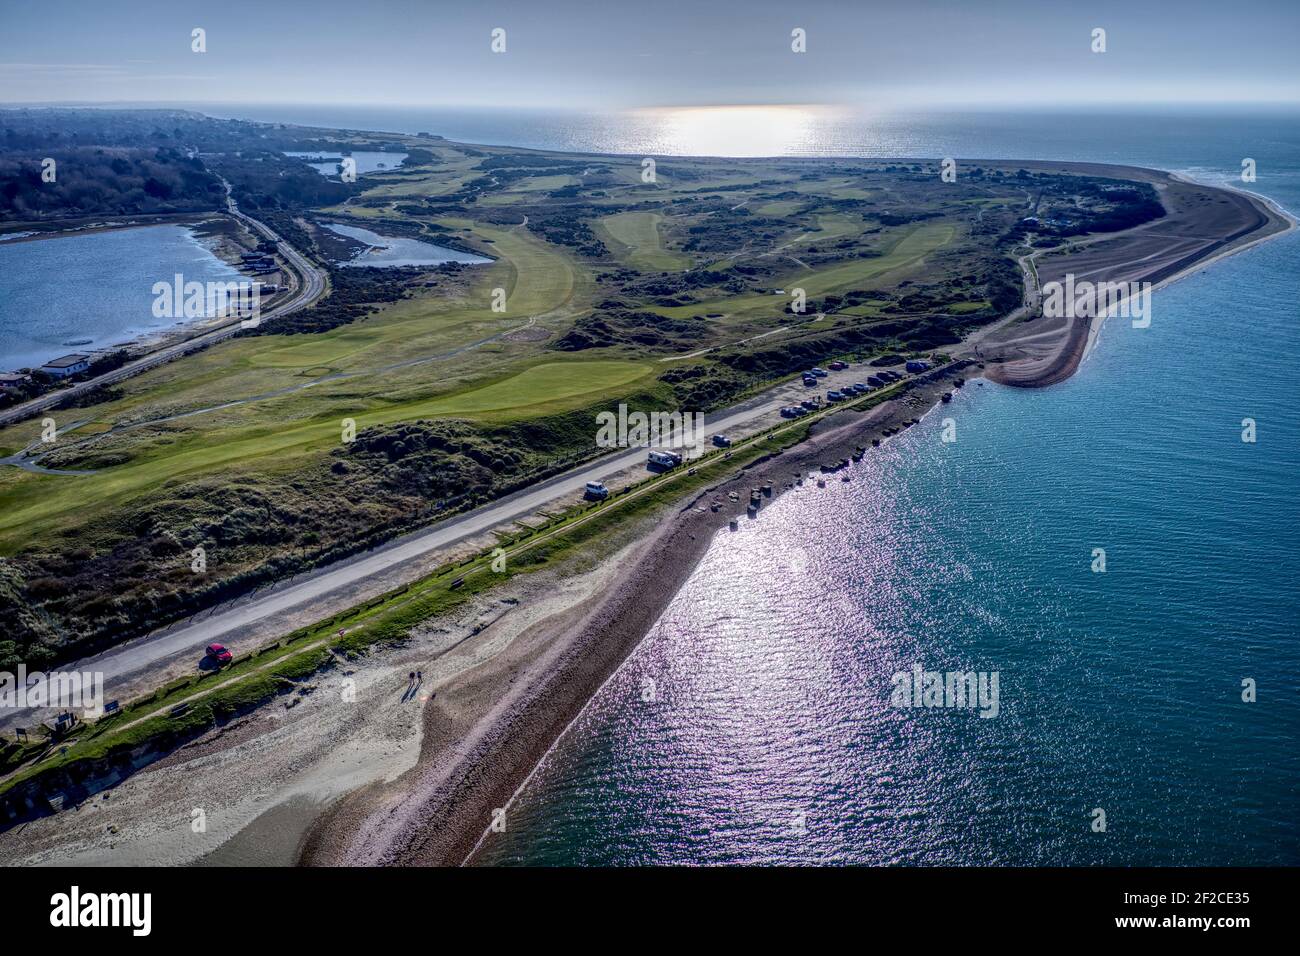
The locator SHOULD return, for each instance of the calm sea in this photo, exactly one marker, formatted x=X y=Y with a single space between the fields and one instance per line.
x=753 y=724
x=92 y=291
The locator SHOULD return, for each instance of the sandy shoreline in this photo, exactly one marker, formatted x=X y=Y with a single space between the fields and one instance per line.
x=502 y=718
x=1203 y=224
x=438 y=813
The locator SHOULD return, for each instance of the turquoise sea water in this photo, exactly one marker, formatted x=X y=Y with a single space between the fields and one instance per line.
x=769 y=737
x=96 y=287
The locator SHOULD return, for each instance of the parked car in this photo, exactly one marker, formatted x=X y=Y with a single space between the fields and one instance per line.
x=820 y=372
x=722 y=441
x=834 y=396
x=596 y=490
x=838 y=366
x=663 y=459
x=219 y=653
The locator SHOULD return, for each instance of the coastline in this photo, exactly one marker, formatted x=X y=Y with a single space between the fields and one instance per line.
x=439 y=812
x=1272 y=207
x=510 y=710
x=486 y=727
x=1052 y=350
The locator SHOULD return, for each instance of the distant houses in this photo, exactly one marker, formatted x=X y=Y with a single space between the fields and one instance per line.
x=259 y=263
x=66 y=365
x=12 y=381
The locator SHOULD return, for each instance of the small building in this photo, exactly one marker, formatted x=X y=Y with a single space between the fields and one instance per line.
x=11 y=380
x=66 y=365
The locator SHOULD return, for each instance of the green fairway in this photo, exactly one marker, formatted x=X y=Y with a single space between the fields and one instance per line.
x=30 y=504
x=907 y=252
x=445 y=178
x=634 y=237
x=838 y=189
x=541 y=280
x=504 y=199
x=536 y=275
x=540 y=389
x=540 y=183
x=781 y=207
x=833 y=226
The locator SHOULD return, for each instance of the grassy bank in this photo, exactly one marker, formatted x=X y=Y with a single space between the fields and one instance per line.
x=189 y=706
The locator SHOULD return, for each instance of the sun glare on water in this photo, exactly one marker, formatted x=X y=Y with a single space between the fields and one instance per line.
x=732 y=130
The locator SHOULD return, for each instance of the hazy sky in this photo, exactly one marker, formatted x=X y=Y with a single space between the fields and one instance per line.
x=618 y=53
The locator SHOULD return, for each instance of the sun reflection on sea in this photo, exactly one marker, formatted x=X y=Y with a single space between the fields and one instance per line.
x=733 y=130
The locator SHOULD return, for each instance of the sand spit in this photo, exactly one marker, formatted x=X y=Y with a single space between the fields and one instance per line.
x=1202 y=224
x=491 y=724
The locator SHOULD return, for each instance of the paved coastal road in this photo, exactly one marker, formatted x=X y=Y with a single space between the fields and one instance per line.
x=192 y=637
x=311 y=285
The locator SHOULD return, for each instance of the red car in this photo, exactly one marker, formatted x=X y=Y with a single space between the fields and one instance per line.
x=219 y=653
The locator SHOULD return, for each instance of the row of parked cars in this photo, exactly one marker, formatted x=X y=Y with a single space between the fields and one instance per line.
x=847 y=391
x=655 y=460
x=878 y=380
x=803 y=408
x=663 y=460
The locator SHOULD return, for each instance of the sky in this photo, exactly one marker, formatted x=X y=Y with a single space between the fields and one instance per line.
x=618 y=54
